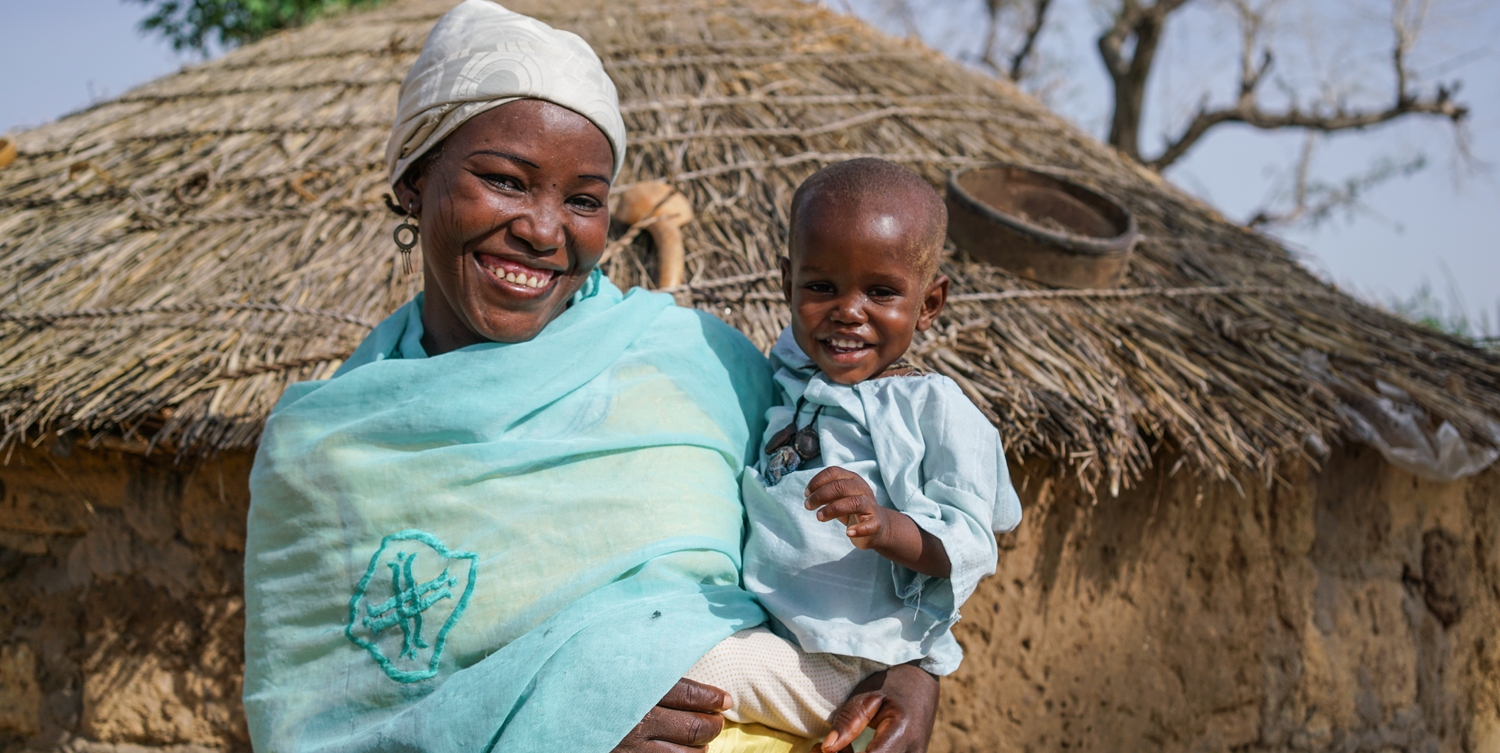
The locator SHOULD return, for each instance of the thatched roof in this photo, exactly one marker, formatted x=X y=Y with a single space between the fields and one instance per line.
x=176 y=256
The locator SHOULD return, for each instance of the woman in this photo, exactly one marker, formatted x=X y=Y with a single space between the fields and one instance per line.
x=511 y=520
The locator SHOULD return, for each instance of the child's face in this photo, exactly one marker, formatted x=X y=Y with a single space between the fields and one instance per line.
x=857 y=290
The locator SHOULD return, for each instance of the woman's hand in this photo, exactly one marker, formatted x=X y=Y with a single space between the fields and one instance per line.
x=686 y=718
x=900 y=703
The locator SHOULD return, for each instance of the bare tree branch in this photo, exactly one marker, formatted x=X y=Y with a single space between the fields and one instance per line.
x=992 y=36
x=1407 y=19
x=1314 y=202
x=1128 y=47
x=1028 y=45
x=1143 y=25
x=1015 y=66
x=1440 y=104
x=1264 y=216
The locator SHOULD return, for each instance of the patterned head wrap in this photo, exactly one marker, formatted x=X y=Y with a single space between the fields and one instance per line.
x=481 y=56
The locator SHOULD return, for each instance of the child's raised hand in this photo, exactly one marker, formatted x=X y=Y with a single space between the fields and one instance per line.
x=838 y=494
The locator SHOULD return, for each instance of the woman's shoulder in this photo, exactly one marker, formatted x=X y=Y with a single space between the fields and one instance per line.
x=711 y=350
x=678 y=326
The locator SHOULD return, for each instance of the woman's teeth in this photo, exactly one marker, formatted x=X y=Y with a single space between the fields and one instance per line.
x=506 y=270
x=530 y=282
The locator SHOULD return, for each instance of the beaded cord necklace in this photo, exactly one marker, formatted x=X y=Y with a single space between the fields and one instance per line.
x=791 y=447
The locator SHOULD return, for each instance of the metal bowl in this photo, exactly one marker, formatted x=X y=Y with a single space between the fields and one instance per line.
x=1040 y=226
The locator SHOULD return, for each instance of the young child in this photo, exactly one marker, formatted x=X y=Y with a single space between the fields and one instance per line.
x=874 y=505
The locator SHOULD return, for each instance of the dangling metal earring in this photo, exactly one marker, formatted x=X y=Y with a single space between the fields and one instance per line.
x=406 y=237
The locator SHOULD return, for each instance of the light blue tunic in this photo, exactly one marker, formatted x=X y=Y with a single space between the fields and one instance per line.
x=925 y=450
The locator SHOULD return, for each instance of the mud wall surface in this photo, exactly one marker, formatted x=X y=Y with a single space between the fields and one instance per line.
x=121 y=609
x=1352 y=609
x=1356 y=609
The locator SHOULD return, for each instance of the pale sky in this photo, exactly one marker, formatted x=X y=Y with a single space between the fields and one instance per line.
x=61 y=55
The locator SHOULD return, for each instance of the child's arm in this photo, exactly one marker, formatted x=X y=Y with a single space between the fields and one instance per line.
x=839 y=494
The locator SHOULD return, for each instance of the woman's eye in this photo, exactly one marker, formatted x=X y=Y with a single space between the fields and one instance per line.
x=587 y=203
x=504 y=181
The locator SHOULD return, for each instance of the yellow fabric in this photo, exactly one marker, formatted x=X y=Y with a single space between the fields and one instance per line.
x=756 y=738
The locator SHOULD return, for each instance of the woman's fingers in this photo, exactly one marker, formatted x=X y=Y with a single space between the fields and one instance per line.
x=903 y=723
x=688 y=728
x=665 y=730
x=687 y=718
x=890 y=738
x=899 y=703
x=690 y=695
x=851 y=719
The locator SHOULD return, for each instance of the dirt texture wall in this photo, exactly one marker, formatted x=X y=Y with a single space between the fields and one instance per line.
x=1353 y=609
x=121 y=608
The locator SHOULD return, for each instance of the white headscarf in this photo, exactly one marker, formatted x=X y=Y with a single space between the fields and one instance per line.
x=480 y=56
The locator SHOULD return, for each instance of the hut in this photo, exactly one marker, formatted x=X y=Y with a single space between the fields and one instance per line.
x=1223 y=549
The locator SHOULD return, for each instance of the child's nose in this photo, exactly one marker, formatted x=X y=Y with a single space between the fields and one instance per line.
x=850 y=310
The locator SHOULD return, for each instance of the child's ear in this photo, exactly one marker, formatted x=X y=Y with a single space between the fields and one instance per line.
x=786 y=277
x=933 y=300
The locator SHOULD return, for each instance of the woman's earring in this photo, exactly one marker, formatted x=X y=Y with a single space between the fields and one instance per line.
x=406 y=237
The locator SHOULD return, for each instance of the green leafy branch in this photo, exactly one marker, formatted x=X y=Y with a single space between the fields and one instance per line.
x=199 y=25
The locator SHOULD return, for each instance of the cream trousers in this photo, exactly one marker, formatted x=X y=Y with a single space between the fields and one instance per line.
x=775 y=683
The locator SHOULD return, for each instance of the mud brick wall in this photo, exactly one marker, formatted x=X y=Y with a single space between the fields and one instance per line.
x=121 y=609
x=1356 y=609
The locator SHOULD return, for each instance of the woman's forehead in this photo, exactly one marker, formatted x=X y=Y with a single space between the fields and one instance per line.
x=537 y=121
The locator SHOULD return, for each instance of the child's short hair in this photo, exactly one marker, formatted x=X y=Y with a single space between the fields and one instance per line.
x=891 y=186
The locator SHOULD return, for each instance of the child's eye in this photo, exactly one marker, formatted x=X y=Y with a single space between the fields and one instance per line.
x=819 y=287
x=883 y=293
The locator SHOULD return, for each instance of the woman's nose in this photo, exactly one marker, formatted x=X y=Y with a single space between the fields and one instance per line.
x=540 y=226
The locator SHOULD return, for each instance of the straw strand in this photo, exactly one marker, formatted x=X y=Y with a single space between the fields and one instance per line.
x=48 y=317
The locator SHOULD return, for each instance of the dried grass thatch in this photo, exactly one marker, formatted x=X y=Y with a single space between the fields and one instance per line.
x=175 y=257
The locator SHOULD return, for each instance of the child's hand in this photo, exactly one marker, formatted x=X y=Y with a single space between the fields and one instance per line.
x=838 y=494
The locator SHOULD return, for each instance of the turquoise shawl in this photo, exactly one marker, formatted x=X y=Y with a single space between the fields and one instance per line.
x=513 y=547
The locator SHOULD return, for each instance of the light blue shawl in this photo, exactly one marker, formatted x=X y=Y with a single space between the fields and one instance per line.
x=513 y=547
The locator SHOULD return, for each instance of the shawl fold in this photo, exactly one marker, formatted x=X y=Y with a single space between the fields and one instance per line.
x=517 y=547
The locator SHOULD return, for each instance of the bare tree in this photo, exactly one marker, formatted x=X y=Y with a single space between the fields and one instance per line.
x=1128 y=44
x=1143 y=26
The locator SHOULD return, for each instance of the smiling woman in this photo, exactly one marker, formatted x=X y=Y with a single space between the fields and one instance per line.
x=513 y=220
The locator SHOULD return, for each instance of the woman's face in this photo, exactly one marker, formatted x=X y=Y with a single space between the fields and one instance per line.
x=513 y=218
